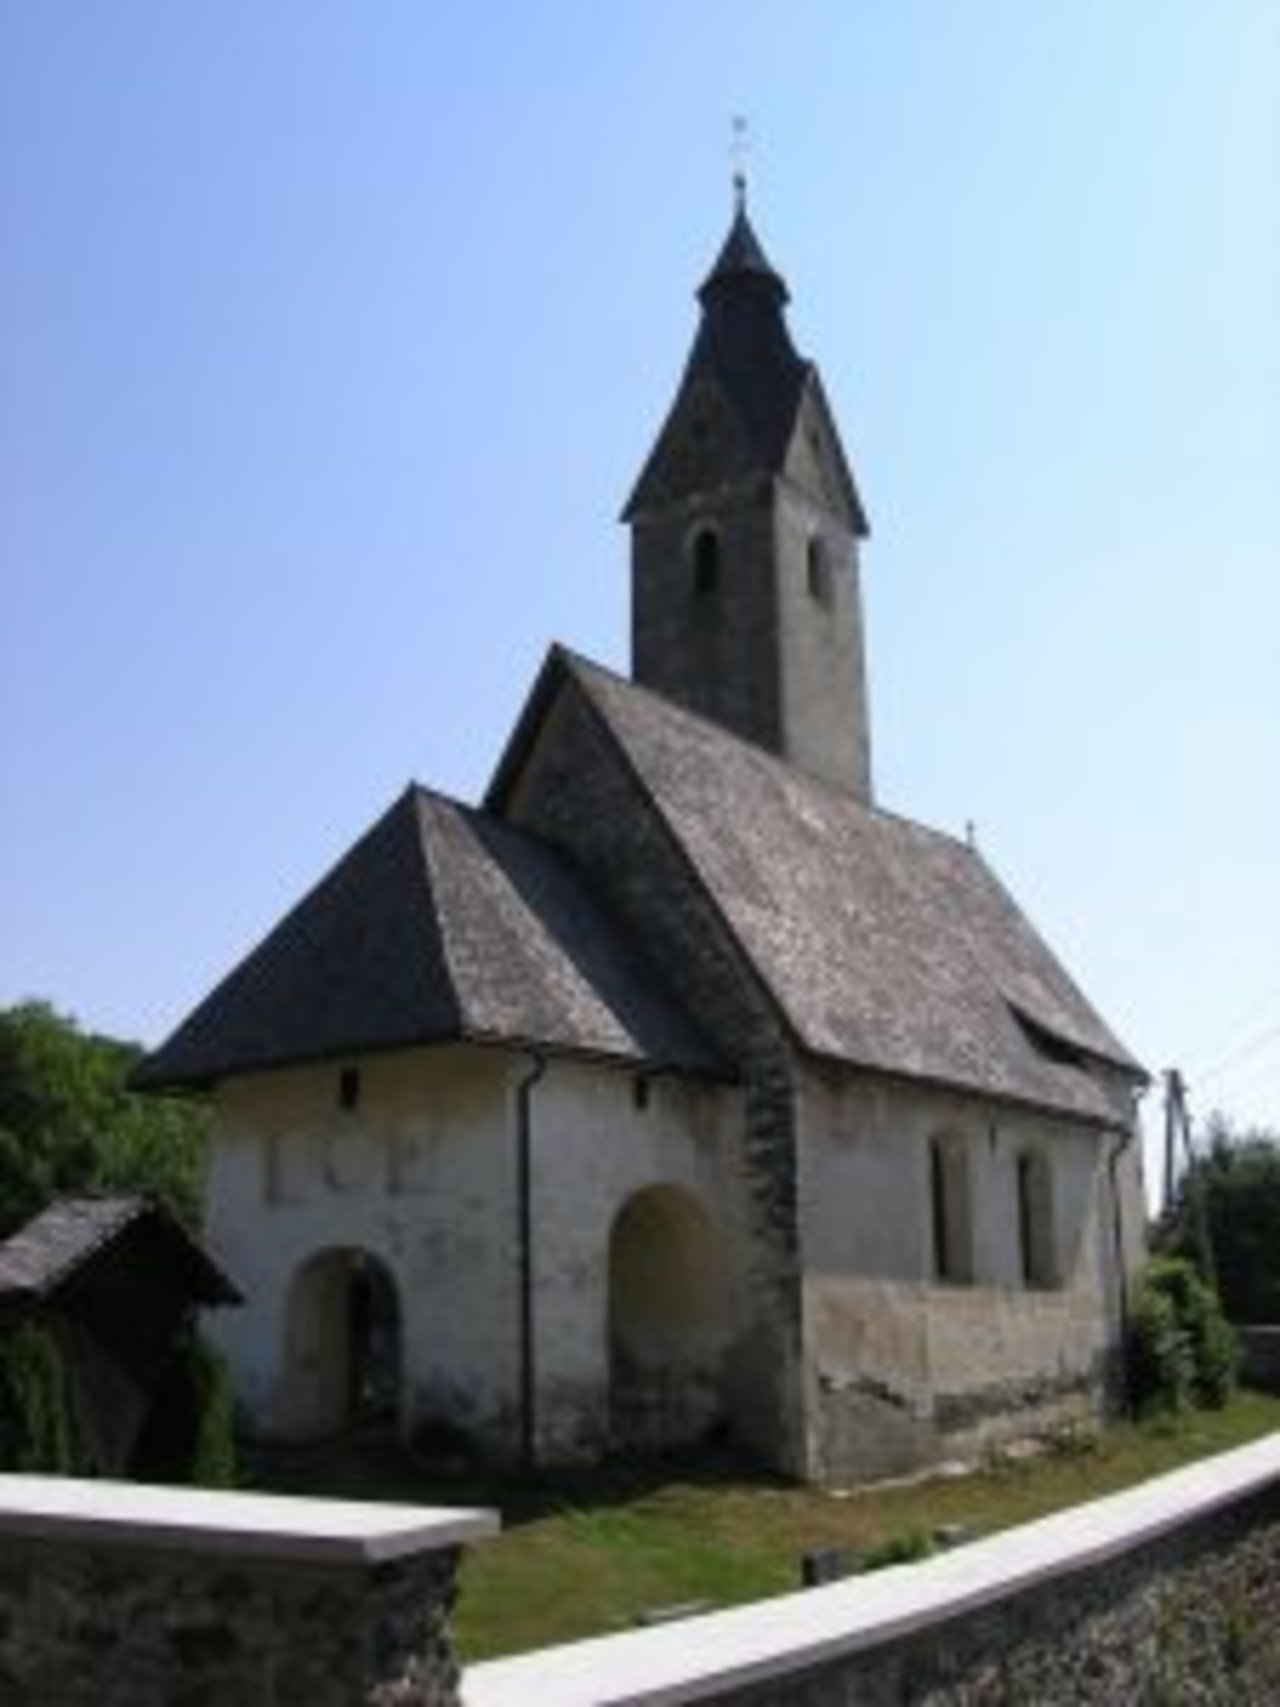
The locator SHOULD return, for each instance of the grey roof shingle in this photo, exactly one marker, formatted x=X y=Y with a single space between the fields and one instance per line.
x=439 y=925
x=61 y=1241
x=884 y=944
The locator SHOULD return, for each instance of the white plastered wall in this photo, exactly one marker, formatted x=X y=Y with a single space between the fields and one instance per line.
x=595 y=1145
x=421 y=1174
x=885 y=1341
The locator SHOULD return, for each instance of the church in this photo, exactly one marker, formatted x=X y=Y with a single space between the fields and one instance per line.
x=678 y=1092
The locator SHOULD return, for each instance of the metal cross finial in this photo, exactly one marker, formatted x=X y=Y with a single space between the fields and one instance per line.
x=738 y=155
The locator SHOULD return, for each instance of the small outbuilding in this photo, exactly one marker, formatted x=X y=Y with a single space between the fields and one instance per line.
x=117 y=1280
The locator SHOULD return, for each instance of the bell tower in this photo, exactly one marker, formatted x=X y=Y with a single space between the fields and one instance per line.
x=745 y=528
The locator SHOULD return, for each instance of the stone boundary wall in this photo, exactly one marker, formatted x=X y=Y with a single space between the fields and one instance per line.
x=1167 y=1593
x=118 y=1595
x=1260 y=1357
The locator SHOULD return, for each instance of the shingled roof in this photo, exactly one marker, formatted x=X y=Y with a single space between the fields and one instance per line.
x=884 y=944
x=440 y=925
x=59 y=1245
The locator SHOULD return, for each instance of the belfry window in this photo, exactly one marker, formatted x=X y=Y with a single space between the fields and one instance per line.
x=706 y=560
x=818 y=564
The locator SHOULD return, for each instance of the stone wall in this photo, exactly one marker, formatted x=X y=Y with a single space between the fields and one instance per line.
x=1166 y=1593
x=1193 y=1617
x=114 y=1596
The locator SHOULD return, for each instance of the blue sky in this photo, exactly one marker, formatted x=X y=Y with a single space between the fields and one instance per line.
x=334 y=335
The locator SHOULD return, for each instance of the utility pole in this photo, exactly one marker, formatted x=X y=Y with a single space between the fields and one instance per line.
x=1178 y=1121
x=1172 y=1094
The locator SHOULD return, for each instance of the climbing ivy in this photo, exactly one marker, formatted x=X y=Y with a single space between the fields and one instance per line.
x=37 y=1423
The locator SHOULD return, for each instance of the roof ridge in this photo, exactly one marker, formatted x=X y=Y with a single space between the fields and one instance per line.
x=429 y=799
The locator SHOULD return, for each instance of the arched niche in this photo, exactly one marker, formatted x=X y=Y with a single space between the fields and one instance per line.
x=341 y=1369
x=667 y=1321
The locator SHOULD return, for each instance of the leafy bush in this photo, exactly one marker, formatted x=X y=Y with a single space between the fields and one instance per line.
x=213 y=1463
x=1159 y=1357
x=1181 y=1348
x=187 y=1435
x=903 y=1548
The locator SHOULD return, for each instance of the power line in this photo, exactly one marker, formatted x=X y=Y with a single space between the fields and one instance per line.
x=1223 y=1038
x=1252 y=1047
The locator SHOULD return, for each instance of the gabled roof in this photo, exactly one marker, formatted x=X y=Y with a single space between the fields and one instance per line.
x=440 y=925
x=59 y=1244
x=883 y=944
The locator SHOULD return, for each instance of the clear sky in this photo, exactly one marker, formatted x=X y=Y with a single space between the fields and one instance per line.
x=334 y=334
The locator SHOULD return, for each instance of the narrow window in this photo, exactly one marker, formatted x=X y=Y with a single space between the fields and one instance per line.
x=349 y=1089
x=950 y=1210
x=819 y=569
x=706 y=560
x=640 y=1091
x=1035 y=1219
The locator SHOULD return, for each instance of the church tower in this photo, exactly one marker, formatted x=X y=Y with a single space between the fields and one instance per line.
x=745 y=525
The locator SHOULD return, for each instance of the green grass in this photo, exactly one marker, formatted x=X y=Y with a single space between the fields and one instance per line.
x=586 y=1554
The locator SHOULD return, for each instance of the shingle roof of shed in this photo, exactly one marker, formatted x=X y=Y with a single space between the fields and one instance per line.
x=58 y=1243
x=884 y=944
x=439 y=925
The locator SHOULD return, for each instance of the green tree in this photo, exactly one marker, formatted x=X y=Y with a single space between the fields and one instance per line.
x=1237 y=1178
x=68 y=1121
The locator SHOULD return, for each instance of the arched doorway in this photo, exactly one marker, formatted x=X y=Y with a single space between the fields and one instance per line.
x=342 y=1347
x=666 y=1321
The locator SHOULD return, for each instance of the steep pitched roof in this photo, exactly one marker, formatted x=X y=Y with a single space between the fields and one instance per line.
x=884 y=944
x=744 y=353
x=741 y=255
x=58 y=1245
x=439 y=925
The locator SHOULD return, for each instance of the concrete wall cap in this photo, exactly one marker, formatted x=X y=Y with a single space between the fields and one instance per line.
x=125 y=1514
x=700 y=1657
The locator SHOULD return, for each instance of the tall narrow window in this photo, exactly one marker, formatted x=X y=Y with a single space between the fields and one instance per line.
x=1035 y=1219
x=819 y=569
x=706 y=560
x=951 y=1211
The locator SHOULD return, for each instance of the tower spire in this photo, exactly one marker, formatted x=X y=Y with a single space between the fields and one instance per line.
x=745 y=526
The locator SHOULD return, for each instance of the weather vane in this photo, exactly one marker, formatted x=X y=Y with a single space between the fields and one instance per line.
x=738 y=155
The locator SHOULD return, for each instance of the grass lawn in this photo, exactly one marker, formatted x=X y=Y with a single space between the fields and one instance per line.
x=586 y=1554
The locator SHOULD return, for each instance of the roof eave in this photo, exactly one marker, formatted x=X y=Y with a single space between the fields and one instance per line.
x=479 y=1037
